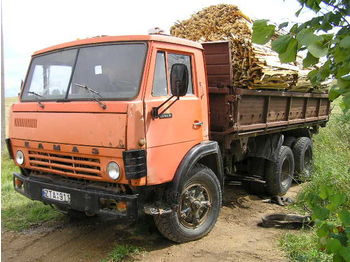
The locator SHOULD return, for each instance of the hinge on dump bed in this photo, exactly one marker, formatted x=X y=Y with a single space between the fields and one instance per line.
x=233 y=98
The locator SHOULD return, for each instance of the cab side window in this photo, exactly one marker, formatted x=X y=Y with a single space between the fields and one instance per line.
x=182 y=59
x=160 y=84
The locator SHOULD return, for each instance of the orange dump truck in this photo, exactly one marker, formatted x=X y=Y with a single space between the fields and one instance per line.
x=122 y=125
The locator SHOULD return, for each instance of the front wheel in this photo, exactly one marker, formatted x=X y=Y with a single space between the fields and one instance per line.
x=199 y=205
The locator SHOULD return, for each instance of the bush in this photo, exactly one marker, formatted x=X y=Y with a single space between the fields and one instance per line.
x=329 y=207
x=326 y=196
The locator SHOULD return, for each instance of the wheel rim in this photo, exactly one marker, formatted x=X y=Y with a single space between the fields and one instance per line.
x=307 y=162
x=195 y=205
x=285 y=173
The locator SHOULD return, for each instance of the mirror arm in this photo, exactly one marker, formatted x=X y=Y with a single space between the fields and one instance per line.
x=169 y=105
x=156 y=114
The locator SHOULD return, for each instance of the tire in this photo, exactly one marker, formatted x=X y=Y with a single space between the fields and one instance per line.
x=303 y=158
x=279 y=174
x=289 y=141
x=200 y=201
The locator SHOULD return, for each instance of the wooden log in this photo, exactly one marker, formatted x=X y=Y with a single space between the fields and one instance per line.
x=251 y=63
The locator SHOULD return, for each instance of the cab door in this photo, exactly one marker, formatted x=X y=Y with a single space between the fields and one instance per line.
x=179 y=127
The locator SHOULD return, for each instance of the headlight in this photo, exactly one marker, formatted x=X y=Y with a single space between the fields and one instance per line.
x=113 y=170
x=19 y=157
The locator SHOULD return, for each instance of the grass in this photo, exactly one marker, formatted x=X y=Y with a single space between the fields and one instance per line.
x=332 y=167
x=121 y=252
x=301 y=247
x=18 y=212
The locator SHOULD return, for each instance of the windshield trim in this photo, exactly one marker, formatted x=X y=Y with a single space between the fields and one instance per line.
x=66 y=99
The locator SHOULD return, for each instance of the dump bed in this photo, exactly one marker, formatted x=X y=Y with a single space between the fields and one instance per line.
x=245 y=112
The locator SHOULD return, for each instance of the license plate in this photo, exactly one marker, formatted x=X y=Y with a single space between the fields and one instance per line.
x=55 y=195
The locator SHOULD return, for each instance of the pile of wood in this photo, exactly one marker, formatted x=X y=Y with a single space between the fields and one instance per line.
x=253 y=66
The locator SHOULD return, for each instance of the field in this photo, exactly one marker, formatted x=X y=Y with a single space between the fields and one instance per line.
x=32 y=231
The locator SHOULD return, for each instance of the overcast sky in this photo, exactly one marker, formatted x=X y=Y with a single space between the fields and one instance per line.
x=30 y=25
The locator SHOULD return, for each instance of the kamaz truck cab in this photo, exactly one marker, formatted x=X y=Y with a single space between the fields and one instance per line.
x=115 y=125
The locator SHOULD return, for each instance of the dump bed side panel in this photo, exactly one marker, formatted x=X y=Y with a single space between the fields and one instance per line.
x=238 y=111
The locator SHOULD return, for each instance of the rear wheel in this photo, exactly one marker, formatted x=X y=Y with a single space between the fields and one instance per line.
x=302 y=151
x=279 y=173
x=289 y=141
x=199 y=206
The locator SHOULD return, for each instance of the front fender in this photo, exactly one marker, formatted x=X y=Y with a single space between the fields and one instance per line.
x=207 y=153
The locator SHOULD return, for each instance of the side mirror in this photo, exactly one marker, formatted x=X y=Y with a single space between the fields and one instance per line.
x=179 y=79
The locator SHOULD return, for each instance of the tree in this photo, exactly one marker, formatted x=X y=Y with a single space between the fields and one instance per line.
x=326 y=37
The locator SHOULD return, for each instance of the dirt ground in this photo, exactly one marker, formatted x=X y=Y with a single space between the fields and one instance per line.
x=235 y=237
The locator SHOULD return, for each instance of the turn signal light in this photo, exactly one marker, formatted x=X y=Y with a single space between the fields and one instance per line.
x=113 y=205
x=121 y=206
x=18 y=183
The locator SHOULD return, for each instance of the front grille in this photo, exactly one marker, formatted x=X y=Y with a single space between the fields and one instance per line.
x=26 y=122
x=64 y=164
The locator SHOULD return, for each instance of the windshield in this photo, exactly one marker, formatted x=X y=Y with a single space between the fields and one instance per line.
x=112 y=71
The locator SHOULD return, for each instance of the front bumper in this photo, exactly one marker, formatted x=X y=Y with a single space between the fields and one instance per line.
x=82 y=197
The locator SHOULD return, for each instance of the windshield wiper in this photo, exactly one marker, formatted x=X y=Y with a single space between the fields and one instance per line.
x=93 y=93
x=37 y=96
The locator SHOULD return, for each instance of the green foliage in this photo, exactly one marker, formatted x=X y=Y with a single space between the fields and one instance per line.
x=310 y=60
x=281 y=43
x=121 y=252
x=287 y=47
x=17 y=211
x=327 y=35
x=327 y=194
x=291 y=52
x=262 y=32
x=332 y=220
x=345 y=42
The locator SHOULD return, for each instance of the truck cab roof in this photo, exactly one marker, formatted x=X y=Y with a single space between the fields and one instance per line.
x=126 y=38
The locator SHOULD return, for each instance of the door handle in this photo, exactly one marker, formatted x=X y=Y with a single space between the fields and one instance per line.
x=195 y=124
